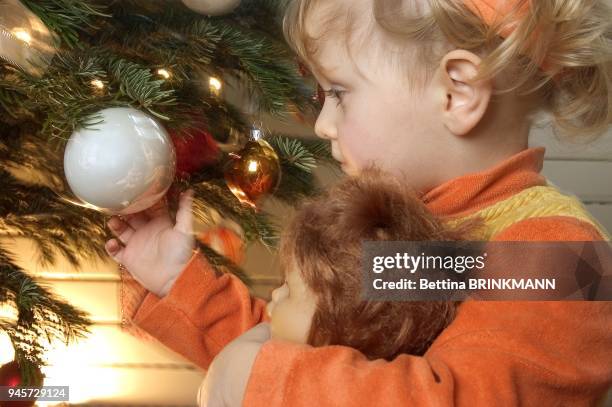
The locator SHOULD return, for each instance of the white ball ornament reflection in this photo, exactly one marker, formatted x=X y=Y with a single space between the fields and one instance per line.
x=25 y=41
x=212 y=7
x=123 y=164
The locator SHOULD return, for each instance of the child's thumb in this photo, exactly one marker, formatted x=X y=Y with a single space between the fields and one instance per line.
x=114 y=250
x=184 y=216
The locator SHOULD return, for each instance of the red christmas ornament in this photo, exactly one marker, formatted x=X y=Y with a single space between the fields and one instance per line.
x=10 y=376
x=194 y=150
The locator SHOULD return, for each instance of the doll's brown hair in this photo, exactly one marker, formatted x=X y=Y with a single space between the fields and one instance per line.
x=324 y=243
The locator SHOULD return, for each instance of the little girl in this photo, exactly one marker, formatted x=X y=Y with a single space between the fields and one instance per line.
x=442 y=94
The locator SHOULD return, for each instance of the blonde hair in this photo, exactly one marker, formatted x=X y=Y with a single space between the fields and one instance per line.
x=560 y=51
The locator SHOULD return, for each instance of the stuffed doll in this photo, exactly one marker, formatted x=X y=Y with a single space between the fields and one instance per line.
x=320 y=255
x=320 y=302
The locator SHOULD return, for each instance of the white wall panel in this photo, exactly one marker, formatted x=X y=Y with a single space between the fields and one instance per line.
x=591 y=181
x=600 y=149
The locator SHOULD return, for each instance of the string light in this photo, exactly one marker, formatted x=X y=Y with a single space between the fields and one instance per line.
x=97 y=83
x=23 y=35
x=9 y=314
x=163 y=73
x=215 y=86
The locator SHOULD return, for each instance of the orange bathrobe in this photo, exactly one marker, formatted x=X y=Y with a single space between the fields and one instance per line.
x=493 y=353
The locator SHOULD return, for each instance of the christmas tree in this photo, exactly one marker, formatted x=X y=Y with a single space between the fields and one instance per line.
x=65 y=64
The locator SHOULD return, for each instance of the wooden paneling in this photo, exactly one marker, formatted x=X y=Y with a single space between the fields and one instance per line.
x=128 y=386
x=102 y=300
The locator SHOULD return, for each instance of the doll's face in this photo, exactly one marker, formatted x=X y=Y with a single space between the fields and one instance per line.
x=291 y=309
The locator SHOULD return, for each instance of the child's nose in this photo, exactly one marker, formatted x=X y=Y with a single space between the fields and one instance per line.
x=324 y=126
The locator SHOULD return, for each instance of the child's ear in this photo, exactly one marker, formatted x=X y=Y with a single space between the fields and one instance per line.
x=466 y=102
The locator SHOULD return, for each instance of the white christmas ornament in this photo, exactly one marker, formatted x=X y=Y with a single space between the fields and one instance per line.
x=212 y=7
x=25 y=41
x=122 y=165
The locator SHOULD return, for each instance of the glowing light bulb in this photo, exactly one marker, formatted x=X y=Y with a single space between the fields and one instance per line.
x=253 y=165
x=163 y=73
x=97 y=83
x=7 y=353
x=23 y=35
x=215 y=86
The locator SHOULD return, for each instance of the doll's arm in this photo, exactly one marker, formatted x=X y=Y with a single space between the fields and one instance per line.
x=201 y=313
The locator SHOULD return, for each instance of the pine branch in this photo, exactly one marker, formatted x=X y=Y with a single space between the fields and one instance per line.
x=168 y=39
x=321 y=150
x=125 y=63
x=263 y=16
x=37 y=213
x=21 y=148
x=67 y=18
x=264 y=64
x=294 y=153
x=184 y=42
x=221 y=262
x=64 y=96
x=40 y=313
x=298 y=158
x=256 y=226
x=10 y=102
x=69 y=100
x=137 y=83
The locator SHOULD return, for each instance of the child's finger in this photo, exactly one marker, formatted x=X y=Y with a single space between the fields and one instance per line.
x=184 y=216
x=159 y=209
x=120 y=229
x=114 y=250
x=137 y=220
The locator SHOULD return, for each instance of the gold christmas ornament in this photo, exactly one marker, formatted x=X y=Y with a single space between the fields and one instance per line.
x=253 y=171
x=25 y=41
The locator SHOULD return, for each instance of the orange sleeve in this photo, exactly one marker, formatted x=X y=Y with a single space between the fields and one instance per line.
x=494 y=353
x=201 y=313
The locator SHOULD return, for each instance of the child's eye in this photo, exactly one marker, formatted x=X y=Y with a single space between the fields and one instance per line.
x=335 y=93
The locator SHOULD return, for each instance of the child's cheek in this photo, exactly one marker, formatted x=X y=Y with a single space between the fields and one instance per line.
x=359 y=147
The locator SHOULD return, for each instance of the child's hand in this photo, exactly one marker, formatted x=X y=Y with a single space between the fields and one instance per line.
x=227 y=377
x=154 y=250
